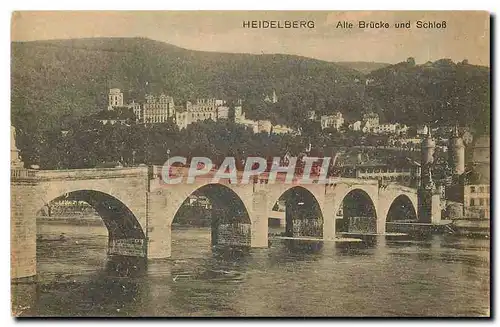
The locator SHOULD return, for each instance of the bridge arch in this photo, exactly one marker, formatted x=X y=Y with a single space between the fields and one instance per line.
x=125 y=234
x=278 y=190
x=228 y=215
x=402 y=208
x=358 y=212
x=397 y=203
x=303 y=213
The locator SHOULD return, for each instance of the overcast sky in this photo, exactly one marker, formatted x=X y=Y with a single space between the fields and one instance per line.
x=467 y=34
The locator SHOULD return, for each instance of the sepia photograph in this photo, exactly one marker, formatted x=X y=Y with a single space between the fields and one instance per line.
x=250 y=164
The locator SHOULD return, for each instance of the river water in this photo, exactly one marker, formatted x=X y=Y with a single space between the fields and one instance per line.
x=439 y=275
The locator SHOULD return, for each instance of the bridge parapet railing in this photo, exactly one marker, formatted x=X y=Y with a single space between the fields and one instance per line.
x=356 y=181
x=22 y=174
x=90 y=173
x=262 y=180
x=399 y=187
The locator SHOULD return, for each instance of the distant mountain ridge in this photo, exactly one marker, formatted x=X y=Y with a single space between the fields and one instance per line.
x=71 y=77
x=61 y=79
x=364 y=67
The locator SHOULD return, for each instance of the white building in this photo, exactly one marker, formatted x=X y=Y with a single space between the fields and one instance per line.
x=367 y=127
x=257 y=126
x=203 y=109
x=282 y=129
x=223 y=112
x=356 y=126
x=311 y=115
x=371 y=118
x=422 y=130
x=334 y=121
x=115 y=99
x=404 y=141
x=264 y=126
x=385 y=129
x=371 y=126
x=239 y=115
x=158 y=109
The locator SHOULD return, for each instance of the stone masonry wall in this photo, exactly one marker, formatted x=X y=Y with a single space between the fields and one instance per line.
x=23 y=231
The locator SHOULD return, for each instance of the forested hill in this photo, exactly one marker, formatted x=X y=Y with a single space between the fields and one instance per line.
x=51 y=79
x=440 y=92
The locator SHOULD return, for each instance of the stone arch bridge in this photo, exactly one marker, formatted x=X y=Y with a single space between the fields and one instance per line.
x=138 y=208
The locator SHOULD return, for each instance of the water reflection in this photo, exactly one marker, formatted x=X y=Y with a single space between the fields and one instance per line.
x=399 y=275
x=121 y=266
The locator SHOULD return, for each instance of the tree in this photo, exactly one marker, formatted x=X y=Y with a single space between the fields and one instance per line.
x=411 y=61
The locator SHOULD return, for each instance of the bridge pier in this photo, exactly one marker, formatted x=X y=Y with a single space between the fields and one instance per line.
x=160 y=242
x=381 y=223
x=328 y=209
x=429 y=206
x=22 y=224
x=159 y=225
x=259 y=218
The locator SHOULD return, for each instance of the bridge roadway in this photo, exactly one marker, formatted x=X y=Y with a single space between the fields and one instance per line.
x=138 y=208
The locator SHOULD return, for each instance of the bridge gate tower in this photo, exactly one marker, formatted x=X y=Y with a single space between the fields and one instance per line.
x=429 y=202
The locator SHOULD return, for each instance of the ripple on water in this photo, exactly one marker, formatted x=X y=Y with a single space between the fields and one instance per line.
x=437 y=276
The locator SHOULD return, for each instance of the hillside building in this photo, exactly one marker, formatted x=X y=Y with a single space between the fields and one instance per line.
x=389 y=128
x=282 y=129
x=405 y=172
x=356 y=126
x=372 y=119
x=334 y=121
x=115 y=99
x=422 y=130
x=367 y=127
x=158 y=109
x=311 y=115
x=223 y=112
x=202 y=110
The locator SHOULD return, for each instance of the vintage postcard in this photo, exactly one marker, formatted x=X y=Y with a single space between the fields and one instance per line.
x=250 y=164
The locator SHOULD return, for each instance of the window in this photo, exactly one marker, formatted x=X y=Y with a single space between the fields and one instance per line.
x=472 y=202
x=472 y=189
x=481 y=189
x=481 y=202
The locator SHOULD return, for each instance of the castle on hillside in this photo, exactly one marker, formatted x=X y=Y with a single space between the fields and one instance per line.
x=203 y=109
x=162 y=108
